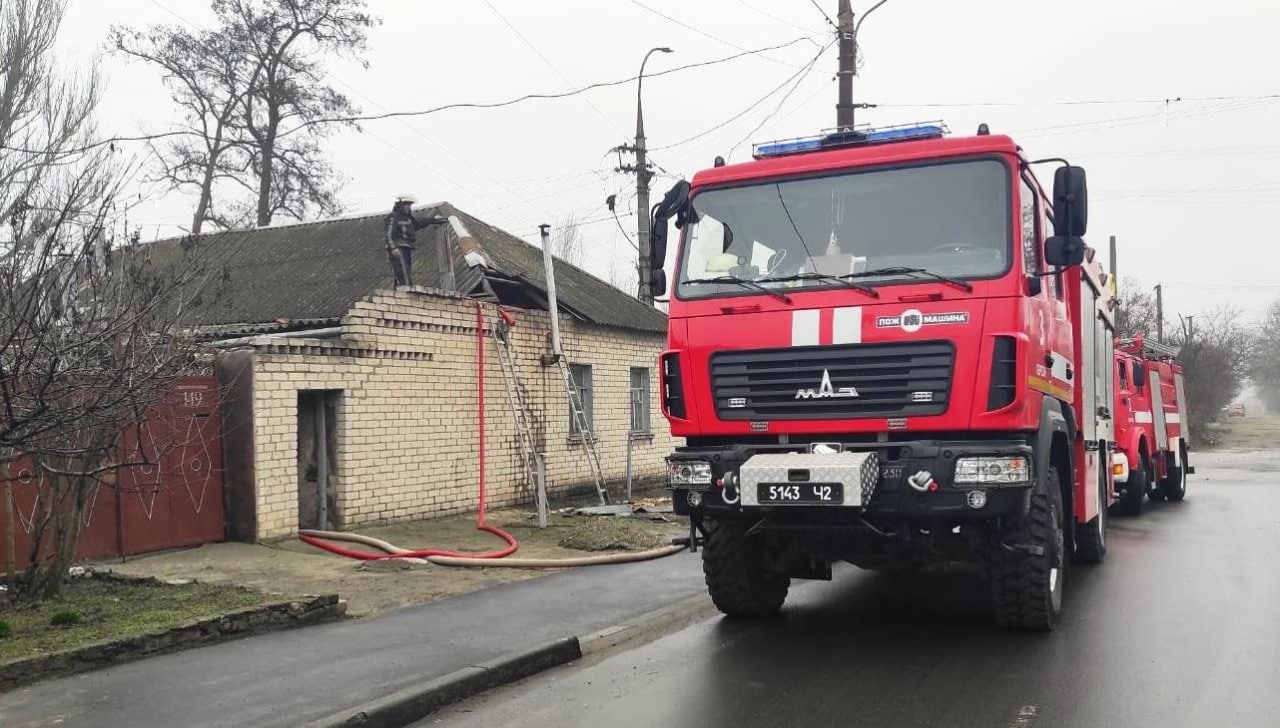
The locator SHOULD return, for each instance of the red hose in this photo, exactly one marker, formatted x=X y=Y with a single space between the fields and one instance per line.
x=481 y=525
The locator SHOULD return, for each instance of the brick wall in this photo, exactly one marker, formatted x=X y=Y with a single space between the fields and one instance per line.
x=407 y=414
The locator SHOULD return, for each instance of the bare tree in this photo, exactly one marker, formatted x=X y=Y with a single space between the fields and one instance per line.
x=208 y=80
x=287 y=40
x=568 y=245
x=1215 y=360
x=90 y=337
x=1135 y=309
x=1264 y=368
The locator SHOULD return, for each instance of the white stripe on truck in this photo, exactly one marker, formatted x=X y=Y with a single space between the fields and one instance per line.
x=846 y=325
x=804 y=327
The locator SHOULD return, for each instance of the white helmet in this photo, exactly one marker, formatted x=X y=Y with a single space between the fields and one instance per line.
x=406 y=198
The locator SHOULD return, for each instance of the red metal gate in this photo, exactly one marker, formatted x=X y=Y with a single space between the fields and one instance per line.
x=173 y=500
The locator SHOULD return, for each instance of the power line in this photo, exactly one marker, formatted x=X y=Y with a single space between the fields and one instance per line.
x=705 y=34
x=798 y=77
x=548 y=62
x=722 y=124
x=770 y=15
x=830 y=22
x=1078 y=102
x=426 y=112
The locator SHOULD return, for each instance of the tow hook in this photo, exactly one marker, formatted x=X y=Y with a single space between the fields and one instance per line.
x=693 y=539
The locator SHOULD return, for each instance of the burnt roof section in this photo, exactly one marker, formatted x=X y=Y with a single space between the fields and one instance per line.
x=318 y=270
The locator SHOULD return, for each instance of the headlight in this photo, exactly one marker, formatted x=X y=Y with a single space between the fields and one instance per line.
x=688 y=472
x=1005 y=470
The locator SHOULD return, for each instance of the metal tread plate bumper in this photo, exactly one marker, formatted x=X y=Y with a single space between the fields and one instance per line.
x=857 y=472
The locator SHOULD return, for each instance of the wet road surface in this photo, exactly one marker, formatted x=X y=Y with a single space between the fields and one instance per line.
x=1180 y=627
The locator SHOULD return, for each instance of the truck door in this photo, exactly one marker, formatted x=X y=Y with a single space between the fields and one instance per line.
x=1048 y=322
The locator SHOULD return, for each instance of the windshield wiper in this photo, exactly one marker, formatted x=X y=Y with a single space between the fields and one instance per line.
x=741 y=282
x=843 y=280
x=902 y=270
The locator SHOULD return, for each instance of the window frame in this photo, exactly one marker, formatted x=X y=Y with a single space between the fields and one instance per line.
x=638 y=401
x=1037 y=245
x=681 y=260
x=585 y=394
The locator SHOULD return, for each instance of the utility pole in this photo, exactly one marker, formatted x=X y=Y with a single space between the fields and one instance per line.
x=1115 y=281
x=1159 y=313
x=643 y=175
x=848 y=66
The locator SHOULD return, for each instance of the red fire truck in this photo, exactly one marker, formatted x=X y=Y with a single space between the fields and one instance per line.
x=887 y=347
x=1151 y=457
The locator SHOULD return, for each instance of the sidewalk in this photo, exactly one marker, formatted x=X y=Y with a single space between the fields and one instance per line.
x=289 y=678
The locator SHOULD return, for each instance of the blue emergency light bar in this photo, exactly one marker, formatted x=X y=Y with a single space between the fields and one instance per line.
x=851 y=138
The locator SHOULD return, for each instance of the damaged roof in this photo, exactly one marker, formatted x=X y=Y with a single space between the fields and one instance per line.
x=315 y=271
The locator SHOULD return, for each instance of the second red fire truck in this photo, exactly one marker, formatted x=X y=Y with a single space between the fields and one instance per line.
x=1150 y=416
x=888 y=347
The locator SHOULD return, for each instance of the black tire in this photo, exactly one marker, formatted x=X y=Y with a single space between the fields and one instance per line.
x=1174 y=485
x=1135 y=491
x=733 y=566
x=1027 y=587
x=1091 y=537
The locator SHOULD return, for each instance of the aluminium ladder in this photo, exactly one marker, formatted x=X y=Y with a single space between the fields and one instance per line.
x=518 y=399
x=584 y=429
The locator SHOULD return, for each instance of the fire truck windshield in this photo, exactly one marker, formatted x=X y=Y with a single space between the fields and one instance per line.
x=952 y=219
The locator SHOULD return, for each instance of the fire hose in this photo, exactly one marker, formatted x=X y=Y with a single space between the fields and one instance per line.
x=321 y=539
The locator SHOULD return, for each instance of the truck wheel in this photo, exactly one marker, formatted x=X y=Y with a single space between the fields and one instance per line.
x=1174 y=485
x=1091 y=537
x=1026 y=583
x=733 y=565
x=1135 y=491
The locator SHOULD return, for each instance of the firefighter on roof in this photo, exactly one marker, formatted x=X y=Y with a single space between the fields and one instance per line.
x=402 y=229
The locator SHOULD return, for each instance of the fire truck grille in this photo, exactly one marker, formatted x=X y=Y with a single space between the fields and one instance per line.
x=904 y=379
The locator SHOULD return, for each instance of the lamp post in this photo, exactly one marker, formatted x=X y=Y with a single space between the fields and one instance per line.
x=642 y=187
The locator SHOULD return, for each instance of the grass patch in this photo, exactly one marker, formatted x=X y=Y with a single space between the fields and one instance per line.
x=604 y=533
x=97 y=609
x=65 y=617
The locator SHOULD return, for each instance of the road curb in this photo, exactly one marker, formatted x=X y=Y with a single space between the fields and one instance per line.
x=414 y=703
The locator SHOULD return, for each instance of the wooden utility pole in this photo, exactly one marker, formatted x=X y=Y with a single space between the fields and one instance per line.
x=848 y=65
x=1159 y=313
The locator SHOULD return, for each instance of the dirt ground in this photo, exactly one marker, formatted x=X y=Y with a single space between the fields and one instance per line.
x=293 y=567
x=1260 y=432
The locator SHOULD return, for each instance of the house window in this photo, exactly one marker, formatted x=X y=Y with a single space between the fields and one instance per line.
x=581 y=374
x=639 y=400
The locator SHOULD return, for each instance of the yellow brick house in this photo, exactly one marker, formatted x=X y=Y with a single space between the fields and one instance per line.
x=313 y=338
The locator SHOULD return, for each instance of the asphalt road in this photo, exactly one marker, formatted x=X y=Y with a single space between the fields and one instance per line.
x=1179 y=628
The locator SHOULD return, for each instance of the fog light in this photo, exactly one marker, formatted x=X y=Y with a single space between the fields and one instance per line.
x=976 y=499
x=694 y=498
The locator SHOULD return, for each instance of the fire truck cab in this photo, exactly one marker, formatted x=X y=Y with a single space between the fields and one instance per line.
x=887 y=347
x=1151 y=452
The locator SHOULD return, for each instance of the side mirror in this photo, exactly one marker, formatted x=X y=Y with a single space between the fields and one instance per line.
x=1064 y=250
x=1139 y=376
x=674 y=203
x=1070 y=202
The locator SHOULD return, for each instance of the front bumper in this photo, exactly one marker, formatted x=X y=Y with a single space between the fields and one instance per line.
x=892 y=497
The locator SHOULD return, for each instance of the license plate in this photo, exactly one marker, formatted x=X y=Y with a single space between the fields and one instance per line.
x=774 y=494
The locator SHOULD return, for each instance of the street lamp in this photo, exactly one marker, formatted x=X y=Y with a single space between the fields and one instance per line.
x=642 y=186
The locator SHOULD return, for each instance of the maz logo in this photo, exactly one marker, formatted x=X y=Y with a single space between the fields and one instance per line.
x=825 y=390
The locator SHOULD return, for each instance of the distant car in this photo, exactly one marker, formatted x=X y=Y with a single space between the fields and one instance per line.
x=1236 y=410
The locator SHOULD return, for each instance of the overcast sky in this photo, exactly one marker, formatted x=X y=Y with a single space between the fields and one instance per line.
x=1189 y=187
